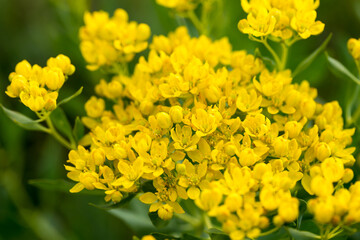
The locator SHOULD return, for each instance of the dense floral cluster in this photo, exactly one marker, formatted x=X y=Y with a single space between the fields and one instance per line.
x=108 y=41
x=281 y=19
x=201 y=121
x=38 y=87
x=207 y=123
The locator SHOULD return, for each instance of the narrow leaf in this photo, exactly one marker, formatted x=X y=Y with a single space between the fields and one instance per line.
x=307 y=61
x=161 y=236
x=302 y=235
x=79 y=130
x=340 y=70
x=78 y=92
x=60 y=185
x=216 y=234
x=24 y=121
x=61 y=123
x=113 y=205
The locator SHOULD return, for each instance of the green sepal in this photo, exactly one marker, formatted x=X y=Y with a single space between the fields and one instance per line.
x=24 y=121
x=307 y=61
x=65 y=100
x=340 y=70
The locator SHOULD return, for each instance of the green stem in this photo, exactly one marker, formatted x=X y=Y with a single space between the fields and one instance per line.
x=285 y=51
x=57 y=136
x=269 y=232
x=273 y=53
x=197 y=23
x=207 y=221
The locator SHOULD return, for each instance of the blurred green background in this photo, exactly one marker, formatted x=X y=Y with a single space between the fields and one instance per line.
x=38 y=29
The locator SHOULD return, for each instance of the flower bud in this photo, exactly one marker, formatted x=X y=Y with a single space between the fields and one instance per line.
x=164 y=120
x=176 y=114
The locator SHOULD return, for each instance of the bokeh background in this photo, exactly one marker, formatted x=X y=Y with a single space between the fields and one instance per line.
x=38 y=29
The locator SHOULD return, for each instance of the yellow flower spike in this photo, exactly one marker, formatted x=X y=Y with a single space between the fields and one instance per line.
x=332 y=169
x=95 y=107
x=63 y=62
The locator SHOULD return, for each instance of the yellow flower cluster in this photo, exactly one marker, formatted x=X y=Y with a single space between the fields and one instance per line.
x=106 y=41
x=203 y=122
x=179 y=5
x=281 y=19
x=38 y=87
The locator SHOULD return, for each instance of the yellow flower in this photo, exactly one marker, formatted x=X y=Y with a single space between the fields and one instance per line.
x=354 y=48
x=248 y=101
x=184 y=138
x=95 y=107
x=63 y=62
x=205 y=122
x=258 y=23
x=131 y=172
x=193 y=178
x=305 y=25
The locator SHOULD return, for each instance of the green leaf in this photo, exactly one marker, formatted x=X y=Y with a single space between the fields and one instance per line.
x=60 y=185
x=135 y=216
x=307 y=61
x=161 y=236
x=187 y=236
x=279 y=234
x=23 y=121
x=302 y=235
x=216 y=234
x=302 y=210
x=61 y=123
x=340 y=70
x=112 y=205
x=78 y=130
x=156 y=221
x=78 y=92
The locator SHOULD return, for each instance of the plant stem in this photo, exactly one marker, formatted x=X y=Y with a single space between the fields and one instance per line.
x=273 y=53
x=197 y=23
x=57 y=136
x=269 y=232
x=285 y=51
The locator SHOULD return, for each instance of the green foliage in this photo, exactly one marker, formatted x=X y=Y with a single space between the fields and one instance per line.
x=24 y=121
